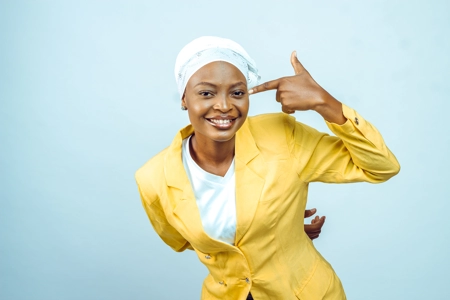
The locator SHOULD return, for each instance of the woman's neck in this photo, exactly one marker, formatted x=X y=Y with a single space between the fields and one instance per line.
x=213 y=157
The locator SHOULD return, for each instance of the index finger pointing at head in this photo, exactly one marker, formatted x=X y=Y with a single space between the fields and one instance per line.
x=269 y=85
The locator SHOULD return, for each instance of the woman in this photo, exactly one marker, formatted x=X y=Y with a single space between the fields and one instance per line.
x=234 y=188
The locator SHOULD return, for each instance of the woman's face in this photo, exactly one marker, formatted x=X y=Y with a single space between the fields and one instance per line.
x=217 y=101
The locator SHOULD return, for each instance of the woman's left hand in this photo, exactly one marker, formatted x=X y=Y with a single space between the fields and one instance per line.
x=302 y=92
x=314 y=229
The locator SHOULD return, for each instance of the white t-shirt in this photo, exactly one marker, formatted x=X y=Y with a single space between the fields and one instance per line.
x=216 y=198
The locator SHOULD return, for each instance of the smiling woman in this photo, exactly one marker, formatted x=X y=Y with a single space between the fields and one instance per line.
x=234 y=189
x=217 y=101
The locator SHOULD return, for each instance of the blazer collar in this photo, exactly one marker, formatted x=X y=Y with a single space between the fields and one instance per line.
x=245 y=151
x=173 y=165
x=250 y=170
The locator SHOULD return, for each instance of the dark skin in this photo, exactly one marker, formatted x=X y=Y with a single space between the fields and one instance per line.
x=301 y=92
x=313 y=230
x=216 y=93
x=217 y=101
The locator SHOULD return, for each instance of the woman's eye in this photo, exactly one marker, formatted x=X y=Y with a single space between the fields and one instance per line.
x=205 y=94
x=238 y=93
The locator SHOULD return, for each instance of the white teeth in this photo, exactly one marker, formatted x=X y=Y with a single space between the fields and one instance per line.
x=220 y=121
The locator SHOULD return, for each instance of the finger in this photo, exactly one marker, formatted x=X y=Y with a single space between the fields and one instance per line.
x=317 y=224
x=313 y=237
x=310 y=230
x=298 y=67
x=312 y=233
x=269 y=85
x=277 y=96
x=319 y=221
x=287 y=110
x=310 y=212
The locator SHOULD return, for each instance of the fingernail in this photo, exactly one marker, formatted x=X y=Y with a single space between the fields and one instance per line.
x=295 y=53
x=250 y=91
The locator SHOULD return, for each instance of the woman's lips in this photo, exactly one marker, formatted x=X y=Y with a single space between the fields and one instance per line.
x=221 y=123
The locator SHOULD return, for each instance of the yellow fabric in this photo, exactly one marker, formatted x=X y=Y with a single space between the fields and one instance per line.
x=276 y=157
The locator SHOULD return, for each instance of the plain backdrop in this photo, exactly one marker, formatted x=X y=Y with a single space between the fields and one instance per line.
x=87 y=96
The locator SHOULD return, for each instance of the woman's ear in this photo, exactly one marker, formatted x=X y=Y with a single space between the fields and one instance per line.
x=183 y=102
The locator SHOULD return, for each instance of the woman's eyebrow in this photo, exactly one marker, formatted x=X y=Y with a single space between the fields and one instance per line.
x=215 y=86
x=205 y=83
x=237 y=84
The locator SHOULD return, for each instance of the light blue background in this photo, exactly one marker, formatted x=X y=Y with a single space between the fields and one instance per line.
x=87 y=95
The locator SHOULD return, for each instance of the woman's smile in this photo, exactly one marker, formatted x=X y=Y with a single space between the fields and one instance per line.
x=222 y=123
x=217 y=101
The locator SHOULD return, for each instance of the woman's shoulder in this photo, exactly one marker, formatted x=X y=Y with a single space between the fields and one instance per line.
x=279 y=121
x=153 y=168
x=272 y=133
x=275 y=121
x=272 y=124
x=270 y=117
x=281 y=128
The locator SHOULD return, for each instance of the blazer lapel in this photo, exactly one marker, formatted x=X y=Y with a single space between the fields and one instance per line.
x=184 y=204
x=173 y=164
x=250 y=171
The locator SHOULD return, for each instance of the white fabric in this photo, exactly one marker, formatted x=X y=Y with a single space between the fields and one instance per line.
x=207 y=49
x=215 y=196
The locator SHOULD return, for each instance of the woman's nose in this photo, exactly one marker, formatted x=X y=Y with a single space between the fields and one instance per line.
x=223 y=103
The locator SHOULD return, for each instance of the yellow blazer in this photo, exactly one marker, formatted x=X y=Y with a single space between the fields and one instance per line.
x=275 y=159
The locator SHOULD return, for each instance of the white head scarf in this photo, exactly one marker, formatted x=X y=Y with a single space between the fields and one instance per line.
x=207 y=49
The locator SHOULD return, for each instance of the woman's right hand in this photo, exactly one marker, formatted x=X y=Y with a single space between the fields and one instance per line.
x=301 y=92
x=313 y=230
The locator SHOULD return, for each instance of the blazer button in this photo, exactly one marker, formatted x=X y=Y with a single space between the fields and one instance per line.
x=207 y=256
x=247 y=280
x=220 y=282
x=356 y=121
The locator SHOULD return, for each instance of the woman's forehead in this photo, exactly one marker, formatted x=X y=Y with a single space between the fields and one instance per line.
x=217 y=73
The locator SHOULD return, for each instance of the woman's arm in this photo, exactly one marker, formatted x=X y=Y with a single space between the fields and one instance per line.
x=155 y=213
x=358 y=153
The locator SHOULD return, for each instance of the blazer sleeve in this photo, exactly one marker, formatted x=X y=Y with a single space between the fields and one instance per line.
x=155 y=213
x=357 y=152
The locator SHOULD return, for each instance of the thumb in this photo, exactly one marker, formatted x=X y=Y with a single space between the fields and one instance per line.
x=309 y=212
x=298 y=67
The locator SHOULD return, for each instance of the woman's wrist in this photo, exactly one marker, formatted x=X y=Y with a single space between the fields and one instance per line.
x=330 y=109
